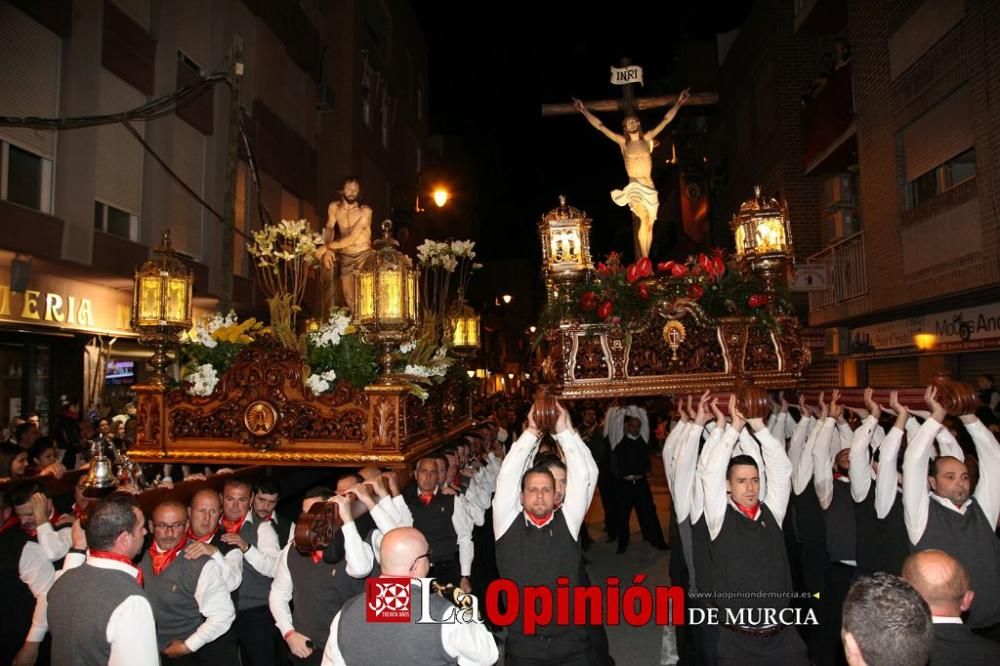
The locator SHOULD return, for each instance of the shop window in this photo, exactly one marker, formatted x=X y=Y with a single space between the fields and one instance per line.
x=27 y=178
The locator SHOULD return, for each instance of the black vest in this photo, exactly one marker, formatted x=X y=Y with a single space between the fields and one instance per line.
x=171 y=594
x=254 y=589
x=750 y=556
x=18 y=601
x=319 y=591
x=81 y=602
x=701 y=547
x=434 y=520
x=840 y=529
x=969 y=538
x=869 y=538
x=956 y=644
x=529 y=555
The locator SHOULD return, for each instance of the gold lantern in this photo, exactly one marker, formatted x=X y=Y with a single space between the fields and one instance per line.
x=386 y=296
x=764 y=237
x=463 y=327
x=161 y=305
x=565 y=237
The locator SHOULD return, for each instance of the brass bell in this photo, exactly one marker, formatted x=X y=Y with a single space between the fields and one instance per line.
x=101 y=479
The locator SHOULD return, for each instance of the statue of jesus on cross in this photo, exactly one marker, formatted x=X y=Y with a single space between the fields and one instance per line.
x=637 y=147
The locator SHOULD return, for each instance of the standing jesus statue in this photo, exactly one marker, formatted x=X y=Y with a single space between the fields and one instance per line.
x=637 y=148
x=353 y=221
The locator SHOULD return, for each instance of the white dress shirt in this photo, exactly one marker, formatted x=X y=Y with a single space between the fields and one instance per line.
x=358 y=559
x=581 y=481
x=35 y=570
x=264 y=556
x=469 y=643
x=859 y=469
x=214 y=603
x=55 y=543
x=131 y=630
x=776 y=464
x=916 y=495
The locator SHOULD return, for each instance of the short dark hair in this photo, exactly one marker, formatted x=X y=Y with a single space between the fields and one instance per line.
x=889 y=620
x=548 y=460
x=22 y=429
x=932 y=466
x=354 y=476
x=109 y=518
x=41 y=445
x=987 y=376
x=268 y=486
x=232 y=483
x=321 y=492
x=740 y=460
x=5 y=502
x=22 y=494
x=538 y=469
x=350 y=179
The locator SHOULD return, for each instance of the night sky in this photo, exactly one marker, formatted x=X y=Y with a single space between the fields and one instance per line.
x=489 y=77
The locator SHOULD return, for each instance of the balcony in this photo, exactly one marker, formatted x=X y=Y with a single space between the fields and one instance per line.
x=829 y=141
x=847 y=278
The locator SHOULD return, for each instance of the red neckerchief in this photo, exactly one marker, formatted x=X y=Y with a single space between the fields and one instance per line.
x=13 y=521
x=164 y=558
x=749 y=512
x=233 y=526
x=202 y=539
x=317 y=555
x=539 y=522
x=107 y=555
x=425 y=499
x=837 y=476
x=457 y=481
x=33 y=531
x=268 y=519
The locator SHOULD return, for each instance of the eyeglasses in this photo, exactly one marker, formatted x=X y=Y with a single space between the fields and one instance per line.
x=168 y=527
x=427 y=555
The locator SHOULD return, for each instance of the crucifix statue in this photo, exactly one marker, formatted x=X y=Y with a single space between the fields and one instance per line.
x=636 y=145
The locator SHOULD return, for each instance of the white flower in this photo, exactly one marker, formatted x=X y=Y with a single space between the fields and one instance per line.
x=449 y=263
x=441 y=352
x=320 y=383
x=203 y=380
x=330 y=333
x=463 y=248
x=407 y=347
x=476 y=266
x=417 y=371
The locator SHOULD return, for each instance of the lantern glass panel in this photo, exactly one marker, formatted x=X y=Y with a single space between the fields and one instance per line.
x=366 y=296
x=175 y=309
x=769 y=236
x=411 y=295
x=149 y=301
x=741 y=240
x=390 y=295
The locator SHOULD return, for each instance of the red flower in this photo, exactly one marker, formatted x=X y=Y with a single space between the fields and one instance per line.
x=644 y=267
x=643 y=290
x=663 y=266
x=696 y=291
x=757 y=300
x=601 y=268
x=632 y=273
x=588 y=300
x=604 y=311
x=718 y=264
x=678 y=270
x=705 y=264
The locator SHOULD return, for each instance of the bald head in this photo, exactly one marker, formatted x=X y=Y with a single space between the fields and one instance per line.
x=941 y=580
x=404 y=552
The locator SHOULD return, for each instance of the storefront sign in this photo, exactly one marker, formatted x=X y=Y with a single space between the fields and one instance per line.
x=68 y=304
x=969 y=328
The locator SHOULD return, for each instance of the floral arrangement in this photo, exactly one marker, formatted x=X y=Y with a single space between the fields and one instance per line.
x=439 y=260
x=283 y=254
x=335 y=351
x=623 y=295
x=211 y=346
x=424 y=363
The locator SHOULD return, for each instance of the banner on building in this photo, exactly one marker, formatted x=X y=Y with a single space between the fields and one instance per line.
x=808 y=277
x=955 y=330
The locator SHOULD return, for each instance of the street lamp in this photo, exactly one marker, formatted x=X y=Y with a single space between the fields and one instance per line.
x=387 y=299
x=161 y=305
x=763 y=237
x=507 y=298
x=441 y=197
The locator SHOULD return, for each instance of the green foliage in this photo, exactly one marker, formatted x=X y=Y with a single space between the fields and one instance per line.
x=354 y=361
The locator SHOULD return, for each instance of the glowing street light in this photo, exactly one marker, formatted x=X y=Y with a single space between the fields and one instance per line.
x=441 y=196
x=507 y=298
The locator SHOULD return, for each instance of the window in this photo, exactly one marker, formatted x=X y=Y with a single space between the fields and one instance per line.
x=27 y=178
x=942 y=178
x=115 y=221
